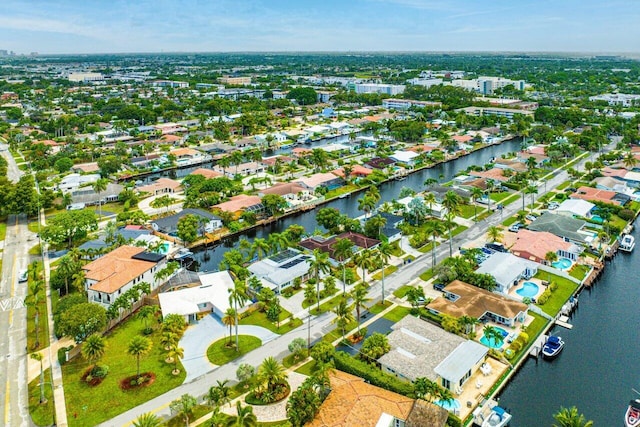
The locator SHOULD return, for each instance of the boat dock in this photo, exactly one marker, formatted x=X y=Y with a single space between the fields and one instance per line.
x=536 y=348
x=564 y=322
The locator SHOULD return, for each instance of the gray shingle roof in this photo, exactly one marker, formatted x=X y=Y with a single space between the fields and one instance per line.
x=559 y=225
x=170 y=223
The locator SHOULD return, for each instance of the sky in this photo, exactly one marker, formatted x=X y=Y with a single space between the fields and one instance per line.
x=119 y=26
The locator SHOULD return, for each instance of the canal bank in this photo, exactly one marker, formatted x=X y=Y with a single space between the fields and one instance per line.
x=598 y=367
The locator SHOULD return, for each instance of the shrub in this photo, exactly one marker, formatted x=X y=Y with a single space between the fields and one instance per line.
x=626 y=214
x=553 y=286
x=287 y=292
x=524 y=336
x=371 y=373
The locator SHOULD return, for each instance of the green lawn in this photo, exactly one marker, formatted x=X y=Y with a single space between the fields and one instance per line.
x=428 y=247
x=507 y=222
x=33 y=226
x=397 y=313
x=337 y=332
x=378 y=307
x=259 y=318
x=115 y=208
x=42 y=415
x=198 y=412
x=459 y=229
x=219 y=354
x=3 y=229
x=579 y=271
x=307 y=369
x=499 y=197
x=510 y=199
x=35 y=250
x=395 y=249
x=289 y=360
x=326 y=306
x=387 y=271
x=427 y=274
x=467 y=211
x=565 y=289
x=563 y=185
x=94 y=405
x=533 y=330
x=402 y=291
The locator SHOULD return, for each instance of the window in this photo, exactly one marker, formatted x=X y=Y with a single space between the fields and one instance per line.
x=446 y=383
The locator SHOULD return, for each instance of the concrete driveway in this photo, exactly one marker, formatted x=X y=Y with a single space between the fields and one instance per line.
x=200 y=336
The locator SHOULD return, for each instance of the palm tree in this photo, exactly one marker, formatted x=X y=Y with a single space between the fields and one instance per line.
x=385 y=251
x=38 y=357
x=476 y=194
x=278 y=241
x=271 y=373
x=245 y=417
x=168 y=339
x=531 y=163
x=629 y=161
x=429 y=199
x=569 y=417
x=93 y=348
x=99 y=186
x=343 y=249
x=184 y=406
x=449 y=222
x=147 y=420
x=260 y=247
x=33 y=299
x=344 y=315
x=145 y=313
x=175 y=353
x=319 y=264
x=435 y=229
x=532 y=190
x=67 y=267
x=492 y=334
x=359 y=296
x=426 y=389
x=495 y=233
x=364 y=260
x=237 y=297
x=452 y=203
x=467 y=322
x=366 y=204
x=551 y=257
x=229 y=319
x=139 y=346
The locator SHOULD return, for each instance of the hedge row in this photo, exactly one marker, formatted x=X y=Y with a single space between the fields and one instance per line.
x=372 y=374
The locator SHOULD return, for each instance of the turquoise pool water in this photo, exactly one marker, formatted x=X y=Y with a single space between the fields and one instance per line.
x=562 y=264
x=494 y=344
x=449 y=405
x=528 y=289
x=597 y=218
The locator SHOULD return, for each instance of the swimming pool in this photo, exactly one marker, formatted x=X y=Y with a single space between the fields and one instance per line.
x=494 y=343
x=528 y=289
x=597 y=218
x=562 y=264
x=450 y=405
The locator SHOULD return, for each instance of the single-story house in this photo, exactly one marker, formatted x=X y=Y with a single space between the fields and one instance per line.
x=295 y=194
x=109 y=276
x=207 y=173
x=419 y=347
x=187 y=156
x=380 y=163
x=609 y=183
x=244 y=169
x=315 y=181
x=406 y=157
x=271 y=161
x=390 y=229
x=534 y=246
x=599 y=195
x=326 y=245
x=241 y=203
x=357 y=172
x=570 y=229
x=86 y=167
x=301 y=152
x=462 y=299
x=161 y=186
x=507 y=269
x=495 y=174
x=279 y=271
x=511 y=164
x=73 y=181
x=576 y=208
x=88 y=195
x=144 y=161
x=169 y=224
x=460 y=365
x=354 y=402
x=211 y=296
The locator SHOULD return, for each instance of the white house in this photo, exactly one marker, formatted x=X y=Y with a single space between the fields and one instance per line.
x=576 y=207
x=74 y=181
x=407 y=157
x=280 y=270
x=507 y=269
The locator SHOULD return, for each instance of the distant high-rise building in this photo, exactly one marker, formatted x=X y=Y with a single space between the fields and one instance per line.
x=4 y=52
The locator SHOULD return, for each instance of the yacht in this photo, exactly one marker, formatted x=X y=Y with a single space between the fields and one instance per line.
x=627 y=243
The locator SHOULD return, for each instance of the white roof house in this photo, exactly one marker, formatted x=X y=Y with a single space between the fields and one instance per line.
x=460 y=364
x=75 y=180
x=212 y=295
x=507 y=269
x=576 y=207
x=404 y=156
x=280 y=270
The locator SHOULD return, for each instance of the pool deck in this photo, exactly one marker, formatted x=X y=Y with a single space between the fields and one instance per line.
x=478 y=386
x=514 y=294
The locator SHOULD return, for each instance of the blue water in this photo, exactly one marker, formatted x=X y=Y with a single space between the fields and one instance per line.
x=597 y=218
x=449 y=405
x=528 y=289
x=562 y=264
x=494 y=344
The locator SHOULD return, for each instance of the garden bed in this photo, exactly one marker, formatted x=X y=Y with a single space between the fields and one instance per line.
x=134 y=382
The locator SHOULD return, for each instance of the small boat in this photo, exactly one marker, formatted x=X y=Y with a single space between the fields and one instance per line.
x=632 y=417
x=343 y=195
x=552 y=347
x=627 y=243
x=182 y=254
x=497 y=418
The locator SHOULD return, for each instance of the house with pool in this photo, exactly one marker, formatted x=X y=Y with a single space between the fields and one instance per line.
x=576 y=208
x=534 y=246
x=507 y=269
x=462 y=299
x=570 y=229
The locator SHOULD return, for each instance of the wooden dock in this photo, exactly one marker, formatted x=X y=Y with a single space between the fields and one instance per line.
x=564 y=322
x=536 y=348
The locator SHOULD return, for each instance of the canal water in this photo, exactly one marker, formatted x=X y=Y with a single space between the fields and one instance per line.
x=599 y=365
x=208 y=260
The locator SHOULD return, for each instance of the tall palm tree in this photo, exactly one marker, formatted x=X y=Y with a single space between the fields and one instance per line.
x=344 y=315
x=359 y=296
x=366 y=204
x=278 y=241
x=629 y=161
x=451 y=202
x=476 y=194
x=364 y=260
x=550 y=257
x=435 y=229
x=184 y=406
x=148 y=419
x=260 y=247
x=343 y=249
x=495 y=233
x=99 y=186
x=139 y=346
x=532 y=190
x=33 y=299
x=378 y=222
x=229 y=319
x=569 y=417
x=237 y=297
x=38 y=357
x=145 y=313
x=429 y=199
x=175 y=353
x=492 y=334
x=271 y=373
x=385 y=251
x=67 y=267
x=244 y=418
x=450 y=223
x=319 y=264
x=93 y=348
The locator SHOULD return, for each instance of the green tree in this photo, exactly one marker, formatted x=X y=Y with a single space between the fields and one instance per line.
x=323 y=352
x=148 y=419
x=69 y=226
x=493 y=335
x=275 y=204
x=359 y=296
x=435 y=229
x=570 y=417
x=451 y=202
x=99 y=186
x=175 y=353
x=244 y=418
x=303 y=95
x=145 y=313
x=93 y=348
x=138 y=347
x=319 y=264
x=385 y=250
x=374 y=347
x=184 y=407
x=63 y=164
x=342 y=250
x=218 y=394
x=260 y=248
x=33 y=299
x=237 y=297
x=38 y=357
x=344 y=315
x=364 y=260
x=109 y=165
x=297 y=347
x=82 y=320
x=188 y=228
x=245 y=372
x=415 y=295
x=303 y=404
x=329 y=218
x=495 y=233
x=271 y=374
x=162 y=202
x=551 y=257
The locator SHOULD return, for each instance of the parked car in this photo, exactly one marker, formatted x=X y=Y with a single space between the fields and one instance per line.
x=23 y=276
x=516 y=226
x=498 y=247
x=439 y=286
x=554 y=205
x=531 y=217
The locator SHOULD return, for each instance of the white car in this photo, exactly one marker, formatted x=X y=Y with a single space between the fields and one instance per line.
x=23 y=276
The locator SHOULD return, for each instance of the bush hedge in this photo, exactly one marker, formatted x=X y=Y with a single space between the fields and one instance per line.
x=372 y=374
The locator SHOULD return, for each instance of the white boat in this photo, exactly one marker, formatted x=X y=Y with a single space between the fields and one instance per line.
x=627 y=243
x=497 y=418
x=552 y=347
x=182 y=254
x=632 y=416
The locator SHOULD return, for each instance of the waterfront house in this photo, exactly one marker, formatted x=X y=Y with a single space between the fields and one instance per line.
x=207 y=173
x=279 y=271
x=462 y=299
x=575 y=208
x=534 y=246
x=357 y=172
x=326 y=180
x=511 y=164
x=189 y=156
x=570 y=229
x=74 y=181
x=169 y=224
x=88 y=196
x=493 y=174
x=360 y=241
x=295 y=194
x=108 y=277
x=407 y=157
x=85 y=167
x=161 y=186
x=241 y=203
x=380 y=163
x=507 y=269
x=355 y=402
x=146 y=160
x=609 y=183
x=599 y=195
